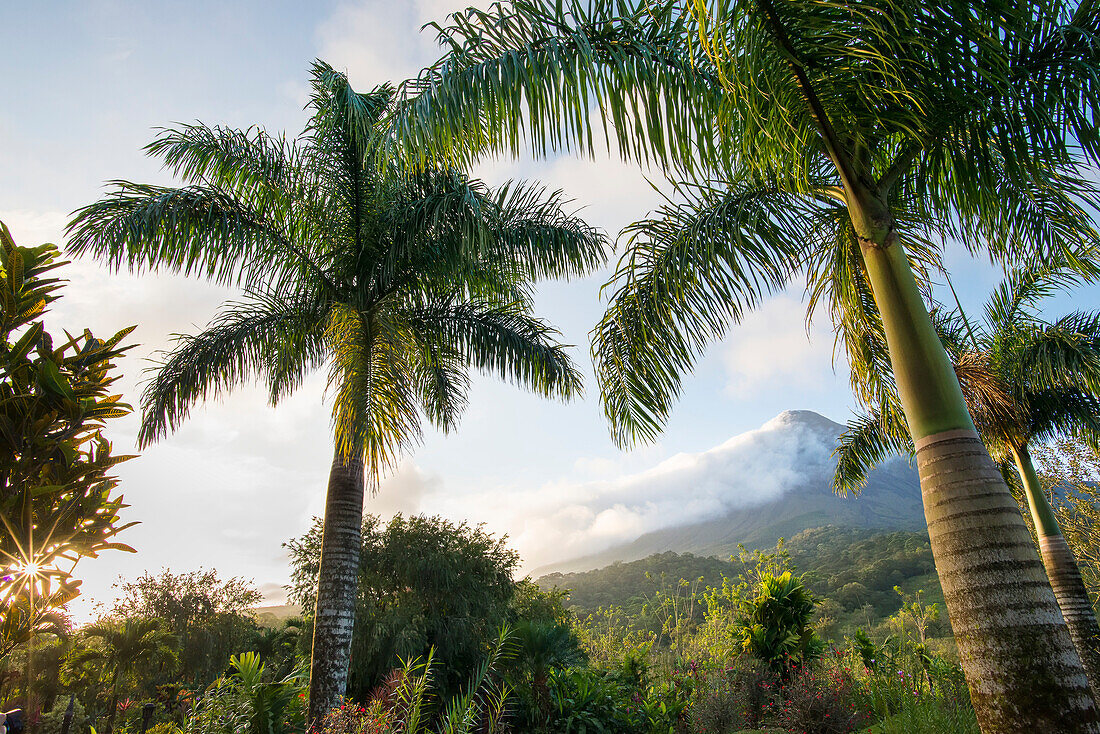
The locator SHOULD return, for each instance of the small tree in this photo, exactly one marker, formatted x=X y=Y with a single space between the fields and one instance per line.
x=424 y=584
x=917 y=613
x=118 y=648
x=56 y=502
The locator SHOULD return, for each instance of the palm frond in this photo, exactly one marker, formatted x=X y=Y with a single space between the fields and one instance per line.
x=249 y=162
x=1061 y=412
x=1064 y=353
x=565 y=76
x=266 y=335
x=193 y=230
x=531 y=228
x=442 y=383
x=688 y=272
x=504 y=341
x=375 y=411
x=866 y=442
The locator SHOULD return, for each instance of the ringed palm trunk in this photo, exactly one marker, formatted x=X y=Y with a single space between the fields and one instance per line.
x=337 y=584
x=1062 y=569
x=1021 y=666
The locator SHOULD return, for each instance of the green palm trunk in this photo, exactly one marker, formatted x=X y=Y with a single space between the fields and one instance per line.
x=1062 y=569
x=337 y=584
x=1023 y=671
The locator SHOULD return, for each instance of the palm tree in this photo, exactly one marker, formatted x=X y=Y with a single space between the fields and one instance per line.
x=543 y=647
x=276 y=645
x=122 y=647
x=399 y=278
x=971 y=118
x=1025 y=380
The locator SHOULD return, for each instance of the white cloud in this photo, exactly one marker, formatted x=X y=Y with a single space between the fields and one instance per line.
x=363 y=38
x=771 y=350
x=403 y=492
x=564 y=519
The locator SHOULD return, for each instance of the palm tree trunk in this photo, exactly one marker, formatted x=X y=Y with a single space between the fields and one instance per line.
x=1021 y=666
x=1062 y=569
x=337 y=584
x=114 y=702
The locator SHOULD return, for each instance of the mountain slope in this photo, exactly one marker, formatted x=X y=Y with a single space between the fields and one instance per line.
x=798 y=448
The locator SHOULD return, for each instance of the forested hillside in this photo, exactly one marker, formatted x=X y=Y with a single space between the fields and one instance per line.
x=852 y=571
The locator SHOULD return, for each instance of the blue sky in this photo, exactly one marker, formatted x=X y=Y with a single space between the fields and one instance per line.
x=86 y=84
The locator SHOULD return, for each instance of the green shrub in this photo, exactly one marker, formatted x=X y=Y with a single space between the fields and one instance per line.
x=775 y=625
x=620 y=701
x=51 y=722
x=733 y=699
x=928 y=716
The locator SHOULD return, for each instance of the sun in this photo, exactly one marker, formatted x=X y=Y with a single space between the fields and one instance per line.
x=30 y=569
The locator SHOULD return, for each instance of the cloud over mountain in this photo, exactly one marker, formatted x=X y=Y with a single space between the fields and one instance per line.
x=564 y=519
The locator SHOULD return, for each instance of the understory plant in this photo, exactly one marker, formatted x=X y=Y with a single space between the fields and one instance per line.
x=248 y=701
x=405 y=703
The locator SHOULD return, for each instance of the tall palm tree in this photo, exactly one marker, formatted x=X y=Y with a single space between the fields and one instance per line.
x=1025 y=380
x=122 y=648
x=974 y=118
x=399 y=278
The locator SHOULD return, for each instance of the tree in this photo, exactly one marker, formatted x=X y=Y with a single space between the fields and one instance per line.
x=917 y=612
x=400 y=278
x=118 y=648
x=1070 y=474
x=210 y=618
x=1026 y=381
x=57 y=501
x=425 y=583
x=892 y=120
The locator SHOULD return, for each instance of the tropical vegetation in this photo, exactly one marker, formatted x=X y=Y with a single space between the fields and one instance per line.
x=57 y=495
x=1026 y=381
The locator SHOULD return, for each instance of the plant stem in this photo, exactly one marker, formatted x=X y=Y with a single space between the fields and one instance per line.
x=337 y=586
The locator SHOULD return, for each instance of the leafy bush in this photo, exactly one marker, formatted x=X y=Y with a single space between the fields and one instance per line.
x=775 y=625
x=620 y=701
x=450 y=596
x=925 y=715
x=375 y=718
x=243 y=702
x=403 y=704
x=733 y=698
x=52 y=721
x=221 y=710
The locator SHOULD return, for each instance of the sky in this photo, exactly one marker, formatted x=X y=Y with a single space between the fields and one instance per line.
x=86 y=85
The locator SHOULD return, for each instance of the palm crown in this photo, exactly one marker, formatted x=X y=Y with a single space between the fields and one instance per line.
x=398 y=278
x=800 y=128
